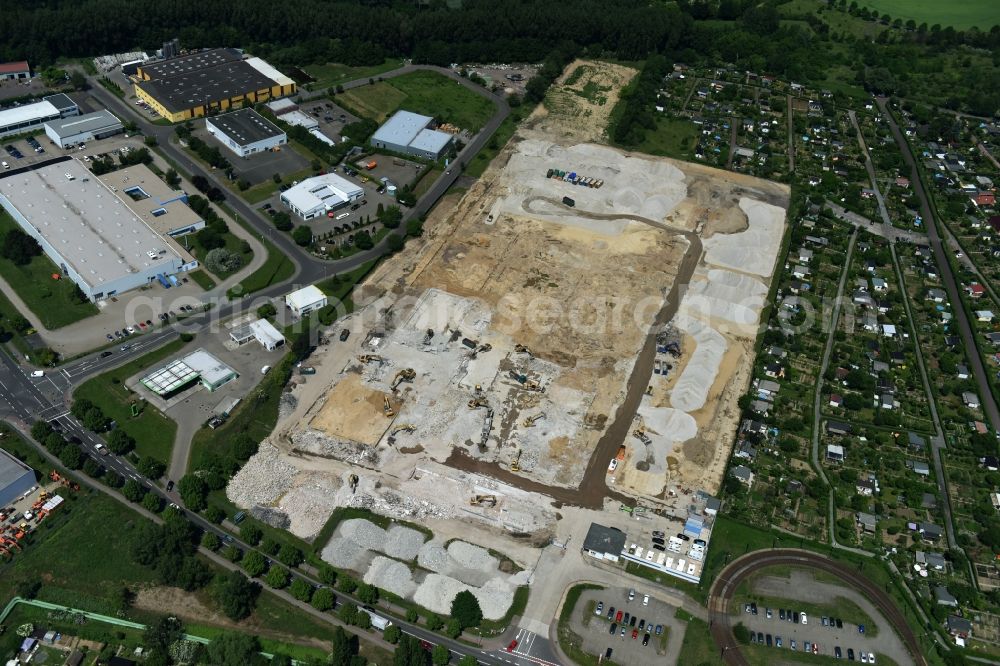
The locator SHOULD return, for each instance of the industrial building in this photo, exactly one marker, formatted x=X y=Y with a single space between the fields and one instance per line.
x=24 y=118
x=245 y=132
x=604 y=543
x=16 y=478
x=410 y=133
x=260 y=330
x=196 y=84
x=305 y=300
x=181 y=373
x=320 y=194
x=163 y=209
x=79 y=129
x=88 y=229
x=13 y=71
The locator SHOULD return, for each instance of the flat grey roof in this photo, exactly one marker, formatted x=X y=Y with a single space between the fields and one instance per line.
x=245 y=126
x=431 y=141
x=97 y=121
x=402 y=128
x=89 y=226
x=61 y=101
x=190 y=62
x=10 y=469
x=206 y=85
x=601 y=539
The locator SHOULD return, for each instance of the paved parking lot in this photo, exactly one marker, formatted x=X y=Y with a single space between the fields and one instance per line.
x=330 y=116
x=400 y=172
x=257 y=168
x=801 y=586
x=595 y=629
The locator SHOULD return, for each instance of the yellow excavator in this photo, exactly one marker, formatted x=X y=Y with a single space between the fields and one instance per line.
x=368 y=358
x=521 y=349
x=352 y=481
x=531 y=420
x=405 y=375
x=387 y=408
x=515 y=463
x=532 y=385
x=640 y=434
x=478 y=401
x=482 y=500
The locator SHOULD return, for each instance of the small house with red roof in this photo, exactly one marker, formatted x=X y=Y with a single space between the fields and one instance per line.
x=12 y=71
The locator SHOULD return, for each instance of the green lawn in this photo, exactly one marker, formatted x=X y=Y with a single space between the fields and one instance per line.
x=478 y=165
x=152 y=430
x=277 y=268
x=673 y=137
x=960 y=14
x=53 y=301
x=333 y=73
x=423 y=92
x=202 y=279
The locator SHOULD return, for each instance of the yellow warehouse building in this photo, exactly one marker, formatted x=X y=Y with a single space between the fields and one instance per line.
x=196 y=84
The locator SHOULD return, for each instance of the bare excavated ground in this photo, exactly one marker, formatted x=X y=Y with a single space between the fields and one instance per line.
x=528 y=326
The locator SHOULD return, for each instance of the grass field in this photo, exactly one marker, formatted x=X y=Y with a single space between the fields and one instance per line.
x=478 y=164
x=275 y=269
x=960 y=14
x=429 y=93
x=152 y=430
x=52 y=301
x=333 y=73
x=202 y=279
x=673 y=137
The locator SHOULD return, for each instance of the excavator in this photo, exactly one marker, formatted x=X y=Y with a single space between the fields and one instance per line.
x=387 y=408
x=532 y=385
x=515 y=463
x=531 y=420
x=640 y=434
x=482 y=500
x=405 y=427
x=352 y=481
x=521 y=349
x=478 y=401
x=405 y=375
x=485 y=347
x=368 y=358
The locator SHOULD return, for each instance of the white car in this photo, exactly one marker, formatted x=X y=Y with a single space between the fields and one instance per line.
x=613 y=465
x=37 y=373
x=645 y=600
x=805 y=620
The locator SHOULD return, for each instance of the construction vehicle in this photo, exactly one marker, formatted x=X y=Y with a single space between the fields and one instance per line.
x=477 y=402
x=387 y=408
x=428 y=336
x=640 y=434
x=518 y=377
x=621 y=453
x=471 y=344
x=532 y=385
x=406 y=427
x=369 y=358
x=485 y=347
x=521 y=349
x=405 y=375
x=480 y=500
x=352 y=481
x=514 y=463
x=531 y=420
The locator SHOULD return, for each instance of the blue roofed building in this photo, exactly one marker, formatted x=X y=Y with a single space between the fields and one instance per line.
x=411 y=134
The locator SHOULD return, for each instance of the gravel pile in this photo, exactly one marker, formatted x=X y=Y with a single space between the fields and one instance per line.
x=320 y=444
x=286 y=405
x=472 y=557
x=391 y=575
x=434 y=557
x=437 y=592
x=495 y=597
x=363 y=532
x=402 y=542
x=263 y=480
x=343 y=553
x=273 y=517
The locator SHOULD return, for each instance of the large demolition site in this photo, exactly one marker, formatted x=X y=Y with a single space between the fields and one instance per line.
x=580 y=326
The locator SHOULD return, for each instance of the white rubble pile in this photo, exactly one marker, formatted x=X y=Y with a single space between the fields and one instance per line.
x=262 y=480
x=310 y=502
x=389 y=574
x=286 y=405
x=754 y=250
x=393 y=505
x=320 y=444
x=472 y=557
x=403 y=543
x=437 y=592
x=343 y=553
x=691 y=390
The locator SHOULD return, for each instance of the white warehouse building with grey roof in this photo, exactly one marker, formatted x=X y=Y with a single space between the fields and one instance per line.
x=87 y=229
x=79 y=129
x=246 y=132
x=409 y=133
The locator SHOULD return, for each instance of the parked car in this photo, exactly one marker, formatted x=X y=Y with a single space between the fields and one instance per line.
x=614 y=628
x=600 y=608
x=645 y=640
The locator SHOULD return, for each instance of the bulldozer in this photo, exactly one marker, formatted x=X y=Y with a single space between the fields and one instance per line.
x=482 y=500
x=477 y=402
x=485 y=347
x=369 y=358
x=531 y=420
x=515 y=463
x=387 y=408
x=405 y=375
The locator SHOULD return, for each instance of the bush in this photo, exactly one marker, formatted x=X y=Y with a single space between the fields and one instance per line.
x=267 y=311
x=302 y=235
x=277 y=577
x=322 y=599
x=119 y=442
x=211 y=541
x=282 y=221
x=391 y=634
x=465 y=608
x=19 y=247
x=221 y=260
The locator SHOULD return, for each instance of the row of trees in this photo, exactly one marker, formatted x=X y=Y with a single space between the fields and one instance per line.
x=635 y=112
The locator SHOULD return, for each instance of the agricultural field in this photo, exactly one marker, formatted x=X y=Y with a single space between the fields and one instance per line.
x=424 y=92
x=959 y=14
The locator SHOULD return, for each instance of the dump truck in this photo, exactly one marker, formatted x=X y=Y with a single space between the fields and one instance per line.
x=621 y=452
x=568 y=202
x=371 y=165
x=471 y=344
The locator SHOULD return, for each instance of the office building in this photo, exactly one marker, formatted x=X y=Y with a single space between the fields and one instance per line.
x=80 y=129
x=16 y=478
x=163 y=209
x=245 y=132
x=318 y=195
x=197 y=84
x=305 y=300
x=28 y=117
x=410 y=133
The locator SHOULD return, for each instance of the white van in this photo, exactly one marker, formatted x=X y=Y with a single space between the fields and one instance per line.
x=266 y=369
x=5 y=165
x=37 y=373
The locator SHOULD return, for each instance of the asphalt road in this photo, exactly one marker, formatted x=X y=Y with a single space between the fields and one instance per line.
x=729 y=580
x=979 y=371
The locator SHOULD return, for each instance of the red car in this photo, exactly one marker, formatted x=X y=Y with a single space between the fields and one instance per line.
x=513 y=644
x=618 y=617
x=635 y=634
